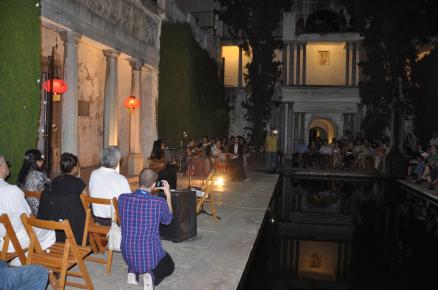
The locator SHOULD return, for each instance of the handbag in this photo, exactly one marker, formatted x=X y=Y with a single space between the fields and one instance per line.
x=114 y=235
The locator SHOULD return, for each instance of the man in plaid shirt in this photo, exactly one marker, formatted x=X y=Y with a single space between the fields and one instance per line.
x=141 y=215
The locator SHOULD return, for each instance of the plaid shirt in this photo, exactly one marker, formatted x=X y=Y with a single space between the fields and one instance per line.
x=141 y=215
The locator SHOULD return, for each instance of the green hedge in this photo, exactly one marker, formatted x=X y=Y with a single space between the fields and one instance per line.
x=20 y=45
x=191 y=95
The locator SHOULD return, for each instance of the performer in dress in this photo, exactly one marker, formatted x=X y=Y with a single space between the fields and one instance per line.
x=235 y=152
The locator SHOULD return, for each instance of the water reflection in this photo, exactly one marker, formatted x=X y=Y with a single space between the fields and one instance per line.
x=346 y=234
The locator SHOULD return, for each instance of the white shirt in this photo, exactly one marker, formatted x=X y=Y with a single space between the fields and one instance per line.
x=106 y=183
x=12 y=203
x=236 y=147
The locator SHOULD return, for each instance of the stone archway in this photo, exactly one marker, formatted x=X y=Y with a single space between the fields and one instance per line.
x=325 y=127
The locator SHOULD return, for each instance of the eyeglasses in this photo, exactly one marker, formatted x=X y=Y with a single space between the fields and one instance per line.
x=8 y=164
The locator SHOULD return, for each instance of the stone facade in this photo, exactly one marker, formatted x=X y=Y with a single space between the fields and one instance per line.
x=107 y=50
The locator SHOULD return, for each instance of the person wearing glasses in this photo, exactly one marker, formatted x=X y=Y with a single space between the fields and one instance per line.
x=13 y=204
x=32 y=177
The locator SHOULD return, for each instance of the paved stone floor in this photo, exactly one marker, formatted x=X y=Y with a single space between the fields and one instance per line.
x=216 y=258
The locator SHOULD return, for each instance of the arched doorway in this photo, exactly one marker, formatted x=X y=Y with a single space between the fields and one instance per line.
x=322 y=128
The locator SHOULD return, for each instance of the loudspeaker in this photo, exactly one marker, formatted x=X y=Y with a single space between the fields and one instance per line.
x=184 y=224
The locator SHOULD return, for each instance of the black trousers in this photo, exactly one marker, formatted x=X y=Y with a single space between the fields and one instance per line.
x=164 y=268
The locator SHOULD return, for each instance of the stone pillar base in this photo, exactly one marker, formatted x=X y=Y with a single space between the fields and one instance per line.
x=135 y=163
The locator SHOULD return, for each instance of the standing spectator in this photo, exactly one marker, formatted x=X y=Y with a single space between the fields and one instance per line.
x=141 y=215
x=271 y=150
x=32 y=177
x=13 y=204
x=106 y=182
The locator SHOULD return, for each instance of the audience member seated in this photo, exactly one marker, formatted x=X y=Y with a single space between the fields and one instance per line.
x=165 y=169
x=106 y=182
x=420 y=167
x=32 y=177
x=29 y=277
x=434 y=139
x=13 y=204
x=61 y=200
x=141 y=214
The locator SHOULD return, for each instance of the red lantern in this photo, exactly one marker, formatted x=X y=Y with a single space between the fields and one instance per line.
x=131 y=103
x=59 y=86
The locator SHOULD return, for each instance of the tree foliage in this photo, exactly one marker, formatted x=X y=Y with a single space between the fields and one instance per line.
x=191 y=96
x=393 y=31
x=254 y=22
x=426 y=97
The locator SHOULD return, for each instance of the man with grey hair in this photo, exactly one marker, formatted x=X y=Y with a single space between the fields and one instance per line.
x=13 y=204
x=106 y=182
x=141 y=214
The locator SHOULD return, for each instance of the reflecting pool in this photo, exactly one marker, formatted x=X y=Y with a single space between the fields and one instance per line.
x=332 y=233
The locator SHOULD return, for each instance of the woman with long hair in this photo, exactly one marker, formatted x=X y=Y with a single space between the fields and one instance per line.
x=32 y=177
x=165 y=169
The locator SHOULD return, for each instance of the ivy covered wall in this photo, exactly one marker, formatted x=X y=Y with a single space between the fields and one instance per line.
x=191 y=95
x=20 y=44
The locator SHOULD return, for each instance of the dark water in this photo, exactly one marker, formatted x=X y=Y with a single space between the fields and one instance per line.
x=345 y=234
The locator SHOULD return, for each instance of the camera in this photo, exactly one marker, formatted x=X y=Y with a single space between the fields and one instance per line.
x=159 y=183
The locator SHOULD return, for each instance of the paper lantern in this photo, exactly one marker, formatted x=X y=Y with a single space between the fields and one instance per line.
x=131 y=103
x=59 y=86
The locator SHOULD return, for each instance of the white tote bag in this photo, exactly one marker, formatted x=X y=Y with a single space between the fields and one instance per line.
x=115 y=233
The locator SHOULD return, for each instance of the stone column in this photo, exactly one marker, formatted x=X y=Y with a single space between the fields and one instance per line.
x=303 y=77
x=354 y=64
x=69 y=126
x=110 y=99
x=349 y=122
x=240 y=69
x=135 y=158
x=299 y=127
x=284 y=69
x=149 y=106
x=284 y=65
x=290 y=132
x=291 y=63
x=286 y=128
x=347 y=64
x=298 y=68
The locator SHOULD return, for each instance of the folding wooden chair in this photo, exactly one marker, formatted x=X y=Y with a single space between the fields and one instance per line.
x=208 y=197
x=116 y=209
x=95 y=233
x=10 y=237
x=60 y=257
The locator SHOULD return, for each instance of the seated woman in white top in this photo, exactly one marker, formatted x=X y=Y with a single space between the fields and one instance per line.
x=106 y=182
x=13 y=204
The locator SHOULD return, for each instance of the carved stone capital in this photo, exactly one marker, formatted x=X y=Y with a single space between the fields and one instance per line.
x=135 y=63
x=111 y=53
x=70 y=37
